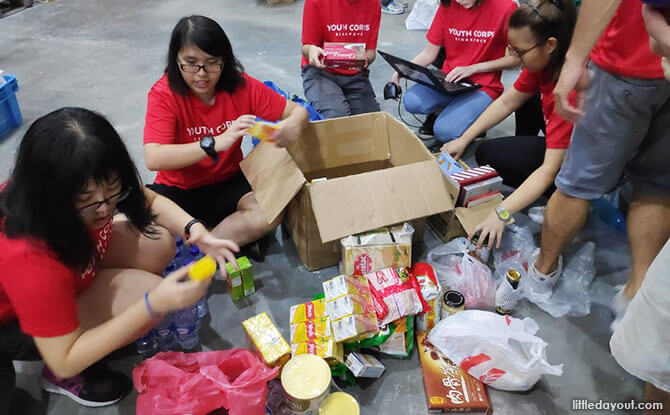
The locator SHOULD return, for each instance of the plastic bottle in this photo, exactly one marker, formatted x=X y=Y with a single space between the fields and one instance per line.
x=186 y=324
x=147 y=345
x=609 y=214
x=166 y=334
x=203 y=307
x=170 y=268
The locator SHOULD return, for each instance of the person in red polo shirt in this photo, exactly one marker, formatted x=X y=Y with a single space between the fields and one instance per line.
x=338 y=92
x=197 y=114
x=539 y=34
x=474 y=34
x=78 y=280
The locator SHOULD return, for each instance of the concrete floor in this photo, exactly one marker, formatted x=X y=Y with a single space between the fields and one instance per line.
x=105 y=56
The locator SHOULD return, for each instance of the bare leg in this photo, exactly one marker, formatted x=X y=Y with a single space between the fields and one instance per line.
x=564 y=218
x=653 y=394
x=247 y=224
x=648 y=231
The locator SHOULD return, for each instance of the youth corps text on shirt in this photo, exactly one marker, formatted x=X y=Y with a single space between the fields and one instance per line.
x=348 y=29
x=195 y=133
x=480 y=36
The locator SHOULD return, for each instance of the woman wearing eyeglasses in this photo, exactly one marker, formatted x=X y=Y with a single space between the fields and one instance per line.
x=539 y=34
x=196 y=116
x=474 y=34
x=82 y=248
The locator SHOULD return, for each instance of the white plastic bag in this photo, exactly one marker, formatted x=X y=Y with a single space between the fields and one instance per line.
x=422 y=14
x=457 y=270
x=501 y=351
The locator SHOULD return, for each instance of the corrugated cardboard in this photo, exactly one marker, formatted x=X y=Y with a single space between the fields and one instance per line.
x=378 y=174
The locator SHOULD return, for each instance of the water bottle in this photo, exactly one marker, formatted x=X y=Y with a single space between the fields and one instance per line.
x=203 y=307
x=166 y=334
x=147 y=345
x=609 y=214
x=186 y=323
x=170 y=268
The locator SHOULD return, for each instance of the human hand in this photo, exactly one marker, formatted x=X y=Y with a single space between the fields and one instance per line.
x=286 y=134
x=233 y=133
x=219 y=249
x=455 y=148
x=492 y=228
x=461 y=72
x=176 y=291
x=316 y=55
x=574 y=75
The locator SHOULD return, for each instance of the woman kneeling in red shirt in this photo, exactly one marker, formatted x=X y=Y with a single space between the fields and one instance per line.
x=77 y=281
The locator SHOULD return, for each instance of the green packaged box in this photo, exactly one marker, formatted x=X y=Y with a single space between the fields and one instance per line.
x=247 y=275
x=234 y=282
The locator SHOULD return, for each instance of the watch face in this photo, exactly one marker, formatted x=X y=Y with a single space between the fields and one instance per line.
x=503 y=213
x=207 y=142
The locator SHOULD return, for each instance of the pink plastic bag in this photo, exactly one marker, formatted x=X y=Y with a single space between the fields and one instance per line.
x=175 y=383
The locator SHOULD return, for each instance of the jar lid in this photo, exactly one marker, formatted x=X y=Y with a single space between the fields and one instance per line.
x=513 y=275
x=454 y=299
x=339 y=403
x=306 y=377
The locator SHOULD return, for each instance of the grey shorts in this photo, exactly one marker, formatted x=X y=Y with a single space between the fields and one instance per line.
x=626 y=130
x=338 y=95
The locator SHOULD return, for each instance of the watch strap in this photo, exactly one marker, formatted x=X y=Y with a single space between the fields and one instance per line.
x=187 y=228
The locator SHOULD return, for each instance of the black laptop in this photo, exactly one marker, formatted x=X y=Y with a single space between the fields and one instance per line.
x=432 y=78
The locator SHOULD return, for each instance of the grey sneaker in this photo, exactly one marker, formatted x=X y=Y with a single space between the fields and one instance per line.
x=540 y=284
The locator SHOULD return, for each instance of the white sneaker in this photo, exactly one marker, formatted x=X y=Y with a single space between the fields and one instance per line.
x=507 y=297
x=540 y=284
x=404 y=4
x=619 y=306
x=393 y=8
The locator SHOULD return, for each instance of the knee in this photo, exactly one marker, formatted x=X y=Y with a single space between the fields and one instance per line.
x=262 y=225
x=446 y=130
x=413 y=103
x=332 y=109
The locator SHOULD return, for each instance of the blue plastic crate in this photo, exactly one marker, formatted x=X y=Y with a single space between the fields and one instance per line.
x=10 y=113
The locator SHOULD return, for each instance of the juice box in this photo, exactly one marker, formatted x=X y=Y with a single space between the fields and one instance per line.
x=345 y=284
x=234 y=282
x=353 y=326
x=324 y=347
x=310 y=330
x=307 y=311
x=265 y=340
x=247 y=275
x=349 y=304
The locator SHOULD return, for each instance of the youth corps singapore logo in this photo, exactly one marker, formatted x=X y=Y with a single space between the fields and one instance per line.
x=343 y=29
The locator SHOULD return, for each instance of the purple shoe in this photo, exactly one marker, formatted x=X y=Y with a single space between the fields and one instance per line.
x=93 y=388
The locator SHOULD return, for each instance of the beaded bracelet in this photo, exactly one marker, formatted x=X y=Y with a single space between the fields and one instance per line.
x=149 y=309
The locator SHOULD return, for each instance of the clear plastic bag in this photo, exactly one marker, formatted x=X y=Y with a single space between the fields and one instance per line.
x=457 y=270
x=172 y=383
x=422 y=14
x=501 y=351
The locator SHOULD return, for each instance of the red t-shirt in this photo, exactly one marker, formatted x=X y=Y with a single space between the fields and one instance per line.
x=38 y=289
x=175 y=119
x=473 y=35
x=340 y=21
x=557 y=130
x=623 y=48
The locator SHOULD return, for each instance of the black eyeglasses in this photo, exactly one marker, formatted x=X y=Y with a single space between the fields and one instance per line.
x=520 y=53
x=89 y=210
x=193 y=68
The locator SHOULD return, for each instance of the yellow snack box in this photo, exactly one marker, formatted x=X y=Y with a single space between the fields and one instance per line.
x=203 y=269
x=265 y=339
x=264 y=131
x=346 y=284
x=350 y=327
x=324 y=347
x=349 y=304
x=310 y=330
x=307 y=311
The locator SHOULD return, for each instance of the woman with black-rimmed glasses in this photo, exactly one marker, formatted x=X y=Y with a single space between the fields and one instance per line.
x=82 y=248
x=196 y=116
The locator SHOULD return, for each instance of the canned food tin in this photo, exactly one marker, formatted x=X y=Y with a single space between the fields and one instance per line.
x=306 y=381
x=453 y=302
x=339 y=403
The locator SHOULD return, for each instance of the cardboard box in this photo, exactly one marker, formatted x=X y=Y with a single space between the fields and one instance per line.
x=247 y=275
x=378 y=174
x=449 y=389
x=310 y=310
x=390 y=246
x=324 y=347
x=364 y=365
x=234 y=282
x=240 y=281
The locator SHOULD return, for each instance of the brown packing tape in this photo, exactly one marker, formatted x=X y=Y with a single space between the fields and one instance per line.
x=368 y=201
x=274 y=177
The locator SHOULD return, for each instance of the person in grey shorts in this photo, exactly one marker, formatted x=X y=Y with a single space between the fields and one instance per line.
x=622 y=129
x=339 y=92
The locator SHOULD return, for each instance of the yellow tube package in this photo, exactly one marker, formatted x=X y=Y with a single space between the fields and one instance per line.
x=264 y=131
x=310 y=330
x=307 y=311
x=266 y=340
x=203 y=269
x=324 y=347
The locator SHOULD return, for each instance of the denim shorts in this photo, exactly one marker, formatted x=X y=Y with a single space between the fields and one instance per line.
x=625 y=131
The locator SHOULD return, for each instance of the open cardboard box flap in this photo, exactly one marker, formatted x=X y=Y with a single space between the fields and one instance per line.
x=473 y=216
x=362 y=202
x=274 y=177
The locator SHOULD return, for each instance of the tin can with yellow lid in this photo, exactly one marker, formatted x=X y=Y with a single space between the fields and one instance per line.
x=339 y=403
x=306 y=381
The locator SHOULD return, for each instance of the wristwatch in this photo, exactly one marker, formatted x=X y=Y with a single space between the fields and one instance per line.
x=207 y=144
x=503 y=214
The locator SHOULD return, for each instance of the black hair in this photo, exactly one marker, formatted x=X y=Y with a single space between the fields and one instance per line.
x=548 y=18
x=58 y=155
x=207 y=35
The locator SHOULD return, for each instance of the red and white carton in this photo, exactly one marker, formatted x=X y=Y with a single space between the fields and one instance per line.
x=478 y=174
x=349 y=56
x=473 y=190
x=478 y=200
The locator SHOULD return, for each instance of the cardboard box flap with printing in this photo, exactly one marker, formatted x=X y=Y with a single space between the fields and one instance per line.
x=377 y=173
